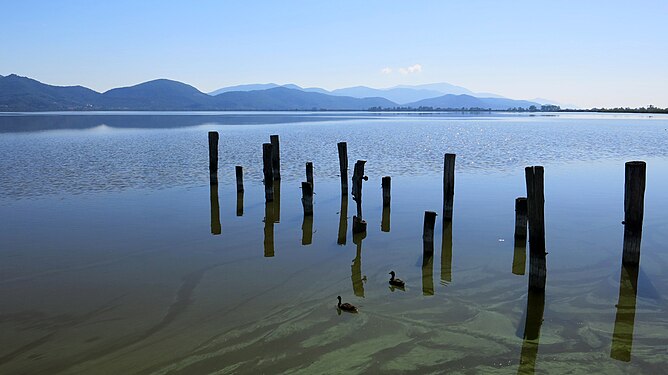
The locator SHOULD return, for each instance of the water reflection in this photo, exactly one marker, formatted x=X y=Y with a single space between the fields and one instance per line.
x=277 y=201
x=215 y=209
x=240 y=204
x=343 y=220
x=307 y=230
x=446 y=253
x=385 y=221
x=427 y=274
x=269 y=229
x=356 y=268
x=532 y=325
x=520 y=256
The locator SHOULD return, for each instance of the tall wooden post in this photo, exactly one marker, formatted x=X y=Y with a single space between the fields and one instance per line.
x=213 y=158
x=343 y=166
x=343 y=220
x=448 y=185
x=385 y=185
x=268 y=172
x=536 y=214
x=521 y=218
x=634 y=206
x=275 y=157
x=239 y=171
x=309 y=173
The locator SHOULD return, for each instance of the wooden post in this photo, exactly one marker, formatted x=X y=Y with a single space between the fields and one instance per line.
x=343 y=220
x=343 y=166
x=309 y=173
x=634 y=205
x=268 y=172
x=307 y=198
x=239 y=170
x=215 y=209
x=521 y=218
x=448 y=185
x=385 y=185
x=359 y=225
x=213 y=158
x=536 y=214
x=275 y=157
x=428 y=232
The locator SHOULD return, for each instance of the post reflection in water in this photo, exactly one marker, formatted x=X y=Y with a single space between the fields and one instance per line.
x=532 y=325
x=622 y=336
x=307 y=230
x=520 y=256
x=356 y=268
x=427 y=274
x=385 y=220
x=446 y=253
x=215 y=209
x=240 y=204
x=277 y=201
x=343 y=220
x=271 y=214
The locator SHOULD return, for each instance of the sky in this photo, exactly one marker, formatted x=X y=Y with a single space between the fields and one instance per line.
x=588 y=53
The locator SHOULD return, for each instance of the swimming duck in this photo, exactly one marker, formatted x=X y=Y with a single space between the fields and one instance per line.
x=346 y=306
x=396 y=282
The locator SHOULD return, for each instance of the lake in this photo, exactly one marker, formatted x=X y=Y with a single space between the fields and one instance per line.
x=118 y=257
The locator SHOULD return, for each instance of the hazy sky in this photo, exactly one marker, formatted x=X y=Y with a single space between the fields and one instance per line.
x=589 y=53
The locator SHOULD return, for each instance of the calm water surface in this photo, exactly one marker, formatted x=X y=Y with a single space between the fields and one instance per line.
x=117 y=256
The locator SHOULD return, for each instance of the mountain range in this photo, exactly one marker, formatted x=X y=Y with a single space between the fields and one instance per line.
x=19 y=94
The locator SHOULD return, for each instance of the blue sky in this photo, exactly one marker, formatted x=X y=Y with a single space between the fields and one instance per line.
x=590 y=53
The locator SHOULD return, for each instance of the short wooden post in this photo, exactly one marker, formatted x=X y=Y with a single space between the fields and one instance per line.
x=309 y=173
x=307 y=198
x=634 y=206
x=428 y=231
x=268 y=172
x=536 y=215
x=275 y=157
x=213 y=158
x=343 y=166
x=359 y=225
x=385 y=185
x=448 y=185
x=239 y=170
x=521 y=218
x=215 y=209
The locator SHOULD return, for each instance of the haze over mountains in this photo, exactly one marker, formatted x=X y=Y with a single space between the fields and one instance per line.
x=25 y=94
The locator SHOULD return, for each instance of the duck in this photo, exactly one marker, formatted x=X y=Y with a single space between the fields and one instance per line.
x=396 y=282
x=346 y=306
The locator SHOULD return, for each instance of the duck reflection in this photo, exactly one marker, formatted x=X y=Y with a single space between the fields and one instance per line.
x=356 y=268
x=215 y=209
x=532 y=325
x=446 y=253
x=427 y=274
x=385 y=221
x=307 y=230
x=240 y=203
x=343 y=220
x=622 y=336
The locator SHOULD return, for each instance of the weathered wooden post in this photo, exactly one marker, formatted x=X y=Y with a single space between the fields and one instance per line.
x=448 y=185
x=213 y=158
x=385 y=185
x=275 y=157
x=536 y=214
x=343 y=166
x=634 y=206
x=215 y=209
x=239 y=171
x=307 y=198
x=343 y=220
x=521 y=218
x=359 y=225
x=268 y=172
x=309 y=173
x=428 y=232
